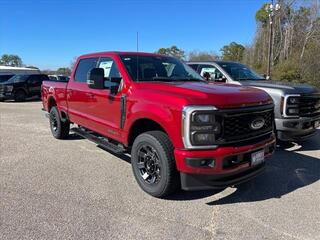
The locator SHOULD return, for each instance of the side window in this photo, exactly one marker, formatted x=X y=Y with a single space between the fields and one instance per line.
x=33 y=79
x=194 y=66
x=84 y=66
x=110 y=68
x=110 y=71
x=4 y=78
x=44 y=78
x=215 y=74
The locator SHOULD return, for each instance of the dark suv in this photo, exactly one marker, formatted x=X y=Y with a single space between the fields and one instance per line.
x=5 y=77
x=20 y=87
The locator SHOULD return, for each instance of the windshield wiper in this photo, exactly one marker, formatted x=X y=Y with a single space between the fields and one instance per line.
x=168 y=79
x=164 y=79
x=190 y=79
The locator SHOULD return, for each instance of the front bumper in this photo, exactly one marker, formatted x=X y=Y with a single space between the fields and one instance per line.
x=296 y=129
x=221 y=175
x=6 y=95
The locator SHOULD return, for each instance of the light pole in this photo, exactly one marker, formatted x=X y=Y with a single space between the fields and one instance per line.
x=271 y=9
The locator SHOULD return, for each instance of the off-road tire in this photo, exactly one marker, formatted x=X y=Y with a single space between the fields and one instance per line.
x=169 y=177
x=20 y=96
x=59 y=129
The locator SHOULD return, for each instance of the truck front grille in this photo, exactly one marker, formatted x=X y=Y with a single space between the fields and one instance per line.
x=236 y=124
x=309 y=105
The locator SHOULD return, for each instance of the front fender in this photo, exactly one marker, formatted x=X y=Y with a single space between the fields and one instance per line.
x=168 y=118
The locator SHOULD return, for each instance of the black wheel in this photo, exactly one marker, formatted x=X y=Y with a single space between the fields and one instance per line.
x=153 y=164
x=59 y=129
x=20 y=96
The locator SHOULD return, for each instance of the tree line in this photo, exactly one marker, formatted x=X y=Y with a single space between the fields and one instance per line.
x=295 y=55
x=15 y=61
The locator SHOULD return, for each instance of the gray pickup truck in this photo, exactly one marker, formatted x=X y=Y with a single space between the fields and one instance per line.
x=297 y=106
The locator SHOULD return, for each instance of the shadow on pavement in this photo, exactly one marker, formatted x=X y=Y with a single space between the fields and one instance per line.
x=74 y=136
x=286 y=172
x=308 y=144
x=25 y=101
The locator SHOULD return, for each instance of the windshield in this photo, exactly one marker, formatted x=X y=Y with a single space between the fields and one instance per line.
x=158 y=68
x=17 y=78
x=240 y=72
x=4 y=78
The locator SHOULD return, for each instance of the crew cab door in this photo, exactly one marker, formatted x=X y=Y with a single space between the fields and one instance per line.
x=105 y=108
x=79 y=98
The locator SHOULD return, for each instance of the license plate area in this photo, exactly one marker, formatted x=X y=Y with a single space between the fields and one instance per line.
x=257 y=157
x=316 y=124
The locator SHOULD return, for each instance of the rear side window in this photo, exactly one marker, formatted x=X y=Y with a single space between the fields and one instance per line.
x=215 y=74
x=84 y=66
x=44 y=77
x=35 y=78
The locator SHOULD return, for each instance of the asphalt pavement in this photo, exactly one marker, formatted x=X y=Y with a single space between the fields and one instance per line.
x=72 y=189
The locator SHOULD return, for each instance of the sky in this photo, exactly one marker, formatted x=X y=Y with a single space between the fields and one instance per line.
x=50 y=33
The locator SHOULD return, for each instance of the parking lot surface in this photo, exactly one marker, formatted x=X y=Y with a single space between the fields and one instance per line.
x=72 y=189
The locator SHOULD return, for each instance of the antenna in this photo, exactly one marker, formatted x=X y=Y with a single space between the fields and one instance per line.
x=137 y=41
x=137 y=57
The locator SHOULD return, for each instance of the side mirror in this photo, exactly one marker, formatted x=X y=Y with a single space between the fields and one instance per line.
x=206 y=76
x=96 y=78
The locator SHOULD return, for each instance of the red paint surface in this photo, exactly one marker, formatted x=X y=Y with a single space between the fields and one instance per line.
x=161 y=102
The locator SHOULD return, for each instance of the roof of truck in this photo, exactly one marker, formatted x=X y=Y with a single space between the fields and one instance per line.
x=208 y=62
x=119 y=53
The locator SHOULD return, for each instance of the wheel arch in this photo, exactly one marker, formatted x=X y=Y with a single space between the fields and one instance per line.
x=142 y=125
x=21 y=89
x=51 y=103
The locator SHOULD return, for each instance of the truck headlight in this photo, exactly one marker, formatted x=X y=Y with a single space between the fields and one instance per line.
x=8 y=88
x=293 y=111
x=293 y=100
x=291 y=106
x=200 y=127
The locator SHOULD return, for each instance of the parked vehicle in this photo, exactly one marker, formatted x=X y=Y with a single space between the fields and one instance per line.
x=20 y=87
x=18 y=70
x=297 y=106
x=59 y=78
x=7 y=72
x=180 y=130
x=5 y=77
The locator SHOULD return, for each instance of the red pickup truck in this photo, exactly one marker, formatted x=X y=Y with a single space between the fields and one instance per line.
x=180 y=130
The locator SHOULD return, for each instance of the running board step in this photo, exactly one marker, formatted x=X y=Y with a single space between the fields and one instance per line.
x=98 y=140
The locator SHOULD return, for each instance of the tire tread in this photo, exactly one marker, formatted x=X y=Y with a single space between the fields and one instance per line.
x=173 y=180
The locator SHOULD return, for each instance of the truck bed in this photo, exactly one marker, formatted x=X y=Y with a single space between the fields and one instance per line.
x=55 y=89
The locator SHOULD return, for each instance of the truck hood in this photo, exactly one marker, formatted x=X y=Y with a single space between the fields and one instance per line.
x=285 y=87
x=203 y=93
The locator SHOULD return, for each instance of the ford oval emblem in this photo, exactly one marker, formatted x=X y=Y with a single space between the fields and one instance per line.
x=257 y=123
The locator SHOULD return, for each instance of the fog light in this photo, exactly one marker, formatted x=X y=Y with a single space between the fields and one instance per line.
x=200 y=162
x=293 y=111
x=203 y=138
x=291 y=124
x=293 y=100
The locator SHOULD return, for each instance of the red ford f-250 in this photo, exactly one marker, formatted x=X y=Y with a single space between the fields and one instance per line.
x=180 y=130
